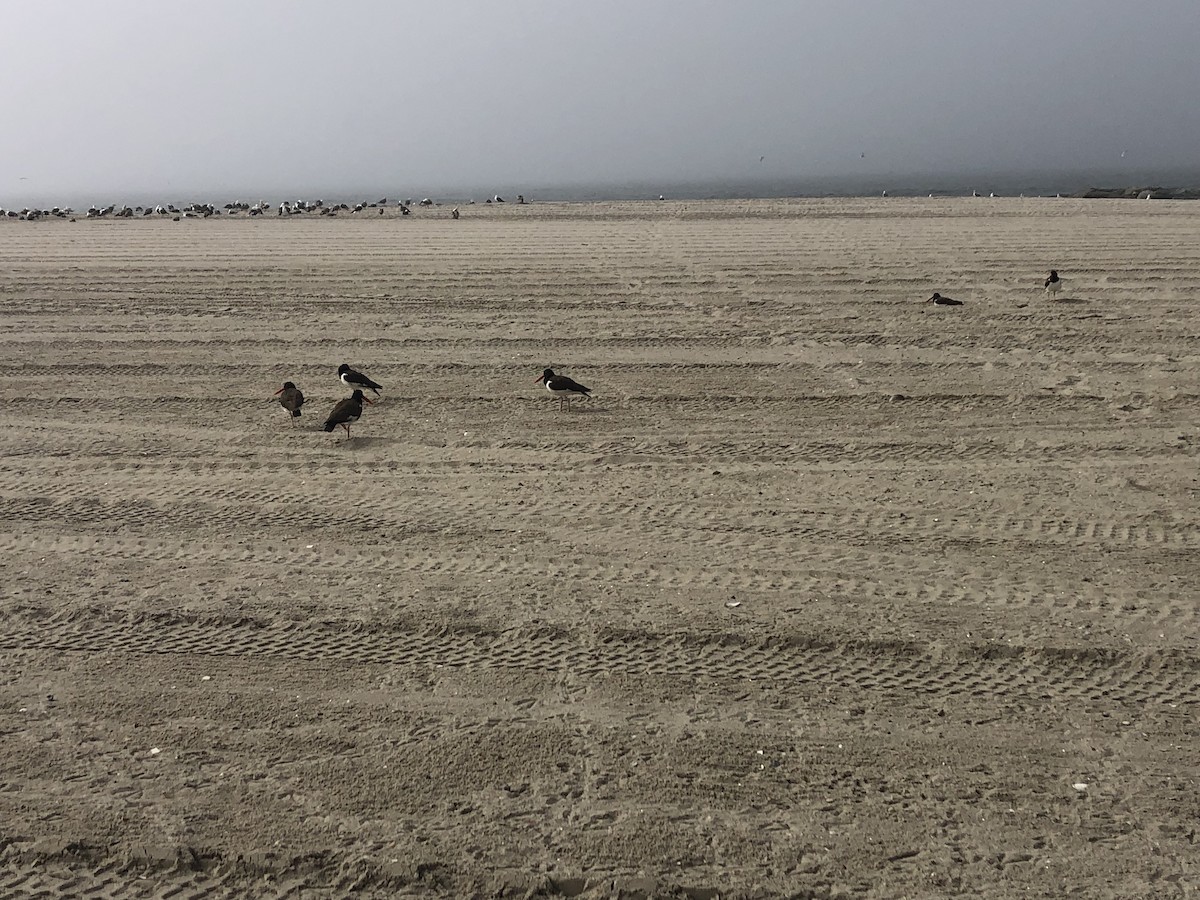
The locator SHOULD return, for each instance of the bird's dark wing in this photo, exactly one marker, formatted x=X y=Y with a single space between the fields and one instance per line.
x=344 y=411
x=563 y=383
x=360 y=379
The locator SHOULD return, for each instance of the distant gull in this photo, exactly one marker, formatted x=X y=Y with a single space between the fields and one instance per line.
x=938 y=300
x=1053 y=284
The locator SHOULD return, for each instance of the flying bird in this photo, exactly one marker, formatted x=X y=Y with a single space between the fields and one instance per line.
x=291 y=399
x=346 y=412
x=1053 y=284
x=938 y=300
x=564 y=388
x=357 y=380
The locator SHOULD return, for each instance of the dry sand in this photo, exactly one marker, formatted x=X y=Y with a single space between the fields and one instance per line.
x=490 y=648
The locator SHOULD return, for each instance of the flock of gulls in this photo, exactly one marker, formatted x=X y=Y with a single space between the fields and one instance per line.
x=261 y=208
x=1053 y=284
x=346 y=412
x=236 y=208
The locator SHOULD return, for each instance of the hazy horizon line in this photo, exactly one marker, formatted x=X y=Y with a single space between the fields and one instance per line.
x=900 y=183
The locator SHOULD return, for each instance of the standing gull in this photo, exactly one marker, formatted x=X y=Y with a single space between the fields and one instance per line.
x=346 y=413
x=564 y=388
x=1053 y=284
x=291 y=399
x=356 y=380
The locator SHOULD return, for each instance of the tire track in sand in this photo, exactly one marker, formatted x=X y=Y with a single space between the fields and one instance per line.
x=998 y=672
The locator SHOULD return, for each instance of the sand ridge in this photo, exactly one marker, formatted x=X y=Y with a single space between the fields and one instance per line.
x=828 y=592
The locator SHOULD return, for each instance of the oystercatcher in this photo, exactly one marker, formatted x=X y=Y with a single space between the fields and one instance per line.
x=564 y=388
x=291 y=399
x=939 y=300
x=346 y=413
x=1053 y=284
x=356 y=380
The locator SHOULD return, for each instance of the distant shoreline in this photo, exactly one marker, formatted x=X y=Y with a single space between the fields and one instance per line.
x=640 y=209
x=1138 y=191
x=1175 y=184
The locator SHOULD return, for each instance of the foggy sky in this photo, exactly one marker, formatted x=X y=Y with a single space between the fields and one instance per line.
x=299 y=95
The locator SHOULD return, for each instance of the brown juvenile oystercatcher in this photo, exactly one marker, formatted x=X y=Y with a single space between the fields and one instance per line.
x=564 y=388
x=357 y=380
x=1053 y=284
x=938 y=300
x=346 y=412
x=291 y=399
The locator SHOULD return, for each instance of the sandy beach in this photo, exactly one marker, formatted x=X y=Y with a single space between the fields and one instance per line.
x=827 y=592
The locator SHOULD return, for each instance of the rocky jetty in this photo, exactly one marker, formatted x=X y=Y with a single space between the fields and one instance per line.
x=1139 y=193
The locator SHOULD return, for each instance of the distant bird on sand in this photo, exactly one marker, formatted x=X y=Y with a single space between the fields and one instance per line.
x=291 y=399
x=938 y=300
x=357 y=380
x=564 y=388
x=1053 y=284
x=346 y=413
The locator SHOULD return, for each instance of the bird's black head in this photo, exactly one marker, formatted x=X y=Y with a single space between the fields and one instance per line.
x=547 y=374
x=1054 y=273
x=343 y=368
x=935 y=298
x=289 y=384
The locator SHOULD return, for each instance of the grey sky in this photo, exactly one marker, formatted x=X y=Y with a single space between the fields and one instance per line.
x=308 y=94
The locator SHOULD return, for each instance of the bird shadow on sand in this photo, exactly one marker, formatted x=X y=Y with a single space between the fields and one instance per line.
x=1069 y=301
x=359 y=441
x=578 y=407
x=582 y=413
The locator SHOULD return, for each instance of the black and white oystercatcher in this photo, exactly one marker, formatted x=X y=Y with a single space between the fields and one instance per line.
x=357 y=380
x=564 y=388
x=938 y=300
x=346 y=413
x=291 y=399
x=1053 y=284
